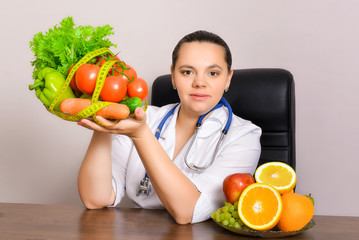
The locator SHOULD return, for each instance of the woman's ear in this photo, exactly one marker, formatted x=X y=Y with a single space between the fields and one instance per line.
x=172 y=78
x=228 y=83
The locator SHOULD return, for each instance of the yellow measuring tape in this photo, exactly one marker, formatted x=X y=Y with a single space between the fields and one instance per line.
x=95 y=105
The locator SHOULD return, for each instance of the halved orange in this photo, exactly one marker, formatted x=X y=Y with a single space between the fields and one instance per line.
x=260 y=206
x=277 y=174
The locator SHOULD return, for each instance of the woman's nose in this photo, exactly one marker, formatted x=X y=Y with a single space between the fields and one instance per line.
x=199 y=80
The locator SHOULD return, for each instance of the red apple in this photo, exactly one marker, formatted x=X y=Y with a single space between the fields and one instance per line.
x=233 y=185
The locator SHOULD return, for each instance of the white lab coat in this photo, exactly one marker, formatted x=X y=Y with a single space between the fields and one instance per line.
x=239 y=152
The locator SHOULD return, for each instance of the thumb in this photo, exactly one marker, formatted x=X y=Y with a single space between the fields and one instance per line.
x=140 y=114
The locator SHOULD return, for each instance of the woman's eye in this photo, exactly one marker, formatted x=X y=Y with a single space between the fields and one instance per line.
x=213 y=74
x=187 y=72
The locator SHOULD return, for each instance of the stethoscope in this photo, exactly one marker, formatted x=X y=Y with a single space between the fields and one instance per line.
x=145 y=186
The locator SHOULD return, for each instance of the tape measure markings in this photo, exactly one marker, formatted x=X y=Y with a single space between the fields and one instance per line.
x=101 y=77
x=89 y=111
x=105 y=68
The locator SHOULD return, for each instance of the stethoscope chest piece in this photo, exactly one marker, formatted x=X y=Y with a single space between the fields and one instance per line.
x=144 y=186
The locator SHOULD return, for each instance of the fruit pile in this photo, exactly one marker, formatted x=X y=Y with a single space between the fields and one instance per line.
x=266 y=201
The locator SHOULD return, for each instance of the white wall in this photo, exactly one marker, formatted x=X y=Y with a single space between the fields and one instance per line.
x=316 y=40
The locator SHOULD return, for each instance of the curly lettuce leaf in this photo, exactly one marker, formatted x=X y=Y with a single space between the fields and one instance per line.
x=63 y=46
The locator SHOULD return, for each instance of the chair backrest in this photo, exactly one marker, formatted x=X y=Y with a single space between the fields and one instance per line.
x=265 y=97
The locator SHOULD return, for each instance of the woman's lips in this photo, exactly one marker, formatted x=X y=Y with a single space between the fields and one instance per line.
x=199 y=96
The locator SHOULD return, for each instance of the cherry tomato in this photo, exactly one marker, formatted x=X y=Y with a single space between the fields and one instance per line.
x=137 y=88
x=86 y=77
x=114 y=89
x=128 y=74
x=73 y=81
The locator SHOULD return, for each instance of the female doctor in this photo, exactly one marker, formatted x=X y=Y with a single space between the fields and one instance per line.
x=182 y=177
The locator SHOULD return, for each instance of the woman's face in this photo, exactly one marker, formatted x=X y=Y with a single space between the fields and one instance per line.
x=200 y=76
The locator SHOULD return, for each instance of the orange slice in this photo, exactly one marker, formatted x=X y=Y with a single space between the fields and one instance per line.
x=260 y=206
x=277 y=174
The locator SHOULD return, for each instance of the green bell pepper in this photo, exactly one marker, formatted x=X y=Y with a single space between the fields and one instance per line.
x=47 y=85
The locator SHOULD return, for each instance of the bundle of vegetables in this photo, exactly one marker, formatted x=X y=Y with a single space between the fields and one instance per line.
x=74 y=69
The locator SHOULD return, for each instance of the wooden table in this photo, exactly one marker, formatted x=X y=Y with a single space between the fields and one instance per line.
x=39 y=222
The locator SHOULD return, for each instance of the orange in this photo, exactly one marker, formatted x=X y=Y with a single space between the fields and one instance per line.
x=260 y=206
x=297 y=211
x=277 y=174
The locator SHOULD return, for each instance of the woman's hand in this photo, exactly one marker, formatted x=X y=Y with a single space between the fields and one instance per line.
x=132 y=127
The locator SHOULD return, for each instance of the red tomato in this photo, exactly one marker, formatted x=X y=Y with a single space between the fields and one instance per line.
x=115 y=58
x=114 y=89
x=138 y=88
x=102 y=59
x=86 y=77
x=129 y=74
x=73 y=81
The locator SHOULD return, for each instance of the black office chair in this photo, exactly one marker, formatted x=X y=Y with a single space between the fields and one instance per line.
x=263 y=96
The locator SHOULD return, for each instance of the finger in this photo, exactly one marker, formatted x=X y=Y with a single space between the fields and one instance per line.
x=92 y=125
x=140 y=114
x=105 y=121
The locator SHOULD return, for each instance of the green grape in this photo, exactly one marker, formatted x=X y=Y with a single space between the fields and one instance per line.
x=217 y=214
x=225 y=209
x=227 y=215
x=225 y=222
x=235 y=214
x=245 y=227
x=240 y=221
x=232 y=221
x=236 y=225
x=235 y=205
x=231 y=208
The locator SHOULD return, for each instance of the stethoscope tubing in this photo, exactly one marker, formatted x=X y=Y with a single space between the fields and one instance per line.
x=221 y=138
x=223 y=102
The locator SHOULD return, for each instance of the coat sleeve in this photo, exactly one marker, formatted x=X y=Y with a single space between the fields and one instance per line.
x=121 y=148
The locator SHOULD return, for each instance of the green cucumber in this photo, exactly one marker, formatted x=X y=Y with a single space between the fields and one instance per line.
x=132 y=103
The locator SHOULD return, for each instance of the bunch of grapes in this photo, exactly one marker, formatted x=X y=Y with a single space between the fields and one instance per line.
x=228 y=216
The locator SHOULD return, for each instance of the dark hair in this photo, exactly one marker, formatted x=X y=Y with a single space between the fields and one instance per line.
x=203 y=36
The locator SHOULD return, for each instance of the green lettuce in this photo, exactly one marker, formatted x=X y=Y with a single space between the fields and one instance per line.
x=63 y=46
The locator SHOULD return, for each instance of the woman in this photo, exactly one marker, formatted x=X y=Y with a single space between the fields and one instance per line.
x=201 y=72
